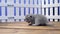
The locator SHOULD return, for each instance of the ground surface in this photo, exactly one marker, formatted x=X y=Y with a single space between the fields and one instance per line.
x=23 y=28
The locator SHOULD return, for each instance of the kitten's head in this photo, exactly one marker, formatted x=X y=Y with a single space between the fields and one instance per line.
x=28 y=18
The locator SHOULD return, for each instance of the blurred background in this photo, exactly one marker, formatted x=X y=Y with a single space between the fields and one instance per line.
x=12 y=15
x=15 y=10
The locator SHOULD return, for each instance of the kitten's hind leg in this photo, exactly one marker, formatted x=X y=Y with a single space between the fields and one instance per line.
x=42 y=25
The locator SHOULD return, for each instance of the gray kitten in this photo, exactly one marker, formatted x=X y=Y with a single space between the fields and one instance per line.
x=36 y=20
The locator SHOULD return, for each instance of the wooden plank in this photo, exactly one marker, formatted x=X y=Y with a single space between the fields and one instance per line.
x=17 y=28
x=24 y=25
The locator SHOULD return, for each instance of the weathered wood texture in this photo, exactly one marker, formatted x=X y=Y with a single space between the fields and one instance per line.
x=23 y=28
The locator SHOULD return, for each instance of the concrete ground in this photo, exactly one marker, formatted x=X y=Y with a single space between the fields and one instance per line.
x=23 y=28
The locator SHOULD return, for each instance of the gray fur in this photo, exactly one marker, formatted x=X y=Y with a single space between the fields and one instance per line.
x=36 y=19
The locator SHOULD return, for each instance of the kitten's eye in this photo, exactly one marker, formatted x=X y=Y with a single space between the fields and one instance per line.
x=31 y=16
x=26 y=18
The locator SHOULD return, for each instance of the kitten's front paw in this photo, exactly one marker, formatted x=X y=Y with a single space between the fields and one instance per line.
x=30 y=24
